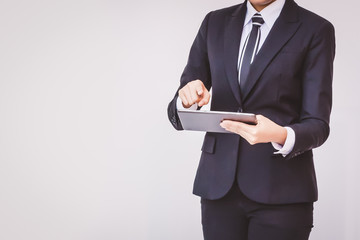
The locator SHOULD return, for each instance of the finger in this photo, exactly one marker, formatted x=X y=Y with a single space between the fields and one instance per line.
x=199 y=86
x=248 y=137
x=231 y=126
x=259 y=118
x=193 y=94
x=205 y=99
x=187 y=95
x=183 y=98
x=239 y=128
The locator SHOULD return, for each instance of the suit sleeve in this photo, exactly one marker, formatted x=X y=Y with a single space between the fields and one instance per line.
x=197 y=67
x=312 y=130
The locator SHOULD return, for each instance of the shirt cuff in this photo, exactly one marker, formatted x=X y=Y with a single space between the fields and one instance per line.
x=179 y=105
x=288 y=145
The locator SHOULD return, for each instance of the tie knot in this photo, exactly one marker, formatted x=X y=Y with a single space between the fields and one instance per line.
x=257 y=20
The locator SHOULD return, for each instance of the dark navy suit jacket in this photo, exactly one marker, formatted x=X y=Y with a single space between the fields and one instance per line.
x=290 y=82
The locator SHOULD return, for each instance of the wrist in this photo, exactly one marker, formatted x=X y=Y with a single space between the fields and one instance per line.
x=280 y=136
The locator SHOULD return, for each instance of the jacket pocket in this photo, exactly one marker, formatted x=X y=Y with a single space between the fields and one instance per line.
x=209 y=144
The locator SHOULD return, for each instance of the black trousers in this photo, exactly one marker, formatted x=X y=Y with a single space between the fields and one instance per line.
x=235 y=217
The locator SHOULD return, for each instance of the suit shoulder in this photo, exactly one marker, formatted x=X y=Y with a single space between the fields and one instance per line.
x=312 y=19
x=223 y=12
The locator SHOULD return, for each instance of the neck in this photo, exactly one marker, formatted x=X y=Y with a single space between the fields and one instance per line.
x=261 y=6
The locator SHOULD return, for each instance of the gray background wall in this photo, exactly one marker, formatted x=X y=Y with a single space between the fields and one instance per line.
x=86 y=151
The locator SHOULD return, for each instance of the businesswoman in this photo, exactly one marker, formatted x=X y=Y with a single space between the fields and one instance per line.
x=275 y=59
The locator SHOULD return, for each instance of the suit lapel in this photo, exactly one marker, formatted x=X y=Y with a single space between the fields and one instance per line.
x=284 y=28
x=233 y=32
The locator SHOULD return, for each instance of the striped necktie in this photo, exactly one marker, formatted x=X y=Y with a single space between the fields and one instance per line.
x=250 y=49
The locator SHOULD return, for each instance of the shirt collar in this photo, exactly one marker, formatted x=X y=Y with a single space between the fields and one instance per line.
x=269 y=14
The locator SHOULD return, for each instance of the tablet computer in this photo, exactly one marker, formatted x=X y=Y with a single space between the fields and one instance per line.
x=209 y=121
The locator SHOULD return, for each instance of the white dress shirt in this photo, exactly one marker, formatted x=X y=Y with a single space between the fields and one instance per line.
x=269 y=15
